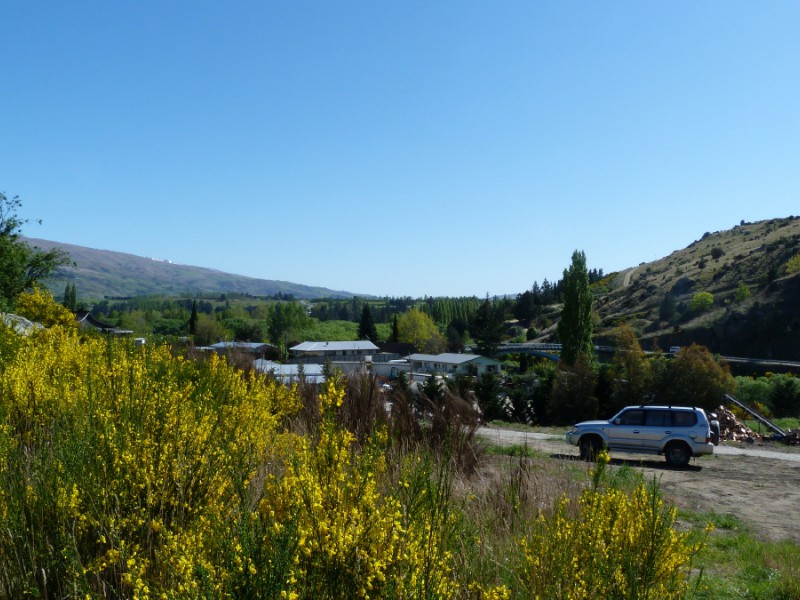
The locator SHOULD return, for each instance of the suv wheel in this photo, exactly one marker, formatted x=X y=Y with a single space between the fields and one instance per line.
x=589 y=447
x=677 y=454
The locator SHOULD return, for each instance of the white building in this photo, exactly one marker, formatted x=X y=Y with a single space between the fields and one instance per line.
x=454 y=364
x=361 y=351
x=289 y=374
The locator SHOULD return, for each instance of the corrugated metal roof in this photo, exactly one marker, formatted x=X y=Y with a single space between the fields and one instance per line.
x=243 y=345
x=449 y=358
x=333 y=346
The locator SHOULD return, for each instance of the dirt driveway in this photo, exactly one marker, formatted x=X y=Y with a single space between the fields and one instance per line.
x=759 y=485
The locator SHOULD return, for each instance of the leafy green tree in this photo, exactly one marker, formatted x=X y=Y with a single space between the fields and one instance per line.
x=742 y=292
x=487 y=392
x=210 y=331
x=784 y=395
x=486 y=328
x=753 y=391
x=525 y=308
x=701 y=302
x=630 y=370
x=246 y=330
x=71 y=297
x=366 y=326
x=793 y=265
x=395 y=331
x=21 y=266
x=137 y=321
x=433 y=390
x=695 y=378
x=286 y=319
x=541 y=390
x=573 y=398
x=455 y=338
x=521 y=396
x=417 y=328
x=575 y=326
x=402 y=381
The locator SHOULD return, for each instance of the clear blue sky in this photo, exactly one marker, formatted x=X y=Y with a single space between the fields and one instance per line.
x=399 y=148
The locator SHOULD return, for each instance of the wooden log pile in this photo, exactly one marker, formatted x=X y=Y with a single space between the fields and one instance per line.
x=732 y=429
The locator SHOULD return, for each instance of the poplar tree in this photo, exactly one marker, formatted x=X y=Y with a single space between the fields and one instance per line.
x=71 y=297
x=487 y=327
x=575 y=326
x=193 y=319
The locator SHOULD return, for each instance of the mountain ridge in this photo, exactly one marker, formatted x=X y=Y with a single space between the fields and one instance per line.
x=99 y=274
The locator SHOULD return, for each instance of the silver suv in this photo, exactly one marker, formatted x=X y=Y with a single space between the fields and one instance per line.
x=677 y=432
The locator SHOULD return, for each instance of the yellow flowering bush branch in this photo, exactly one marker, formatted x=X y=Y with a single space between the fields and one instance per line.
x=608 y=544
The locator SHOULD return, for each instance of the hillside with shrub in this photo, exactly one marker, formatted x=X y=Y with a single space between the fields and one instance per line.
x=736 y=292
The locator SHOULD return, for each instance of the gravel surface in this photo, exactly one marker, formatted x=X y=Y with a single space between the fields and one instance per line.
x=759 y=485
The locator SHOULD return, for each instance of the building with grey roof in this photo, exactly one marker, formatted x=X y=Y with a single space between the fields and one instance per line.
x=334 y=351
x=453 y=364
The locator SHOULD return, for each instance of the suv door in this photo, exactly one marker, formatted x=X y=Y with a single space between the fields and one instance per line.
x=625 y=429
x=689 y=424
x=658 y=425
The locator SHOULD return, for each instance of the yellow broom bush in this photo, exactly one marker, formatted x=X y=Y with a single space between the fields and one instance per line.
x=123 y=464
x=128 y=472
x=608 y=544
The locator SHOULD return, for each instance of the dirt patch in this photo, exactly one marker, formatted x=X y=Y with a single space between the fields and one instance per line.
x=763 y=490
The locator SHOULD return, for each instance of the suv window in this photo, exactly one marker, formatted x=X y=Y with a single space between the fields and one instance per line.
x=658 y=418
x=684 y=418
x=632 y=417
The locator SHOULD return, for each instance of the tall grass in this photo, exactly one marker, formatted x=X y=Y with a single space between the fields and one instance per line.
x=736 y=564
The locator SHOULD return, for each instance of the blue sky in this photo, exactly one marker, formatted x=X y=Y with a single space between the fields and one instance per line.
x=399 y=148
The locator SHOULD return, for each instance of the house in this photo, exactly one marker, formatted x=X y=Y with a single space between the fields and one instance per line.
x=453 y=364
x=256 y=349
x=289 y=374
x=361 y=351
x=87 y=321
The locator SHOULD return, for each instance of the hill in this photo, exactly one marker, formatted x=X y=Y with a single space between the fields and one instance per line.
x=103 y=273
x=756 y=299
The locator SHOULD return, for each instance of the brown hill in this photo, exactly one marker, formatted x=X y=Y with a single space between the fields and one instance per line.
x=103 y=273
x=756 y=298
